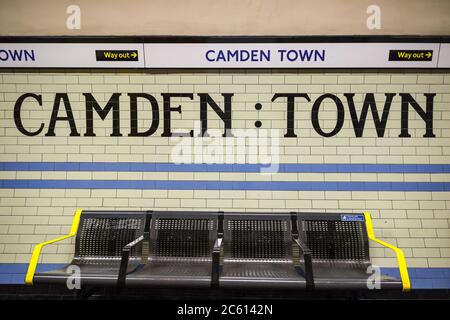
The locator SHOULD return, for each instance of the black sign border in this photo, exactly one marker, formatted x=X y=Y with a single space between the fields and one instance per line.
x=224 y=39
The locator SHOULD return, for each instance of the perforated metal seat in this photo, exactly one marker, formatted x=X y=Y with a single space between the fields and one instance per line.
x=258 y=252
x=100 y=239
x=181 y=246
x=340 y=251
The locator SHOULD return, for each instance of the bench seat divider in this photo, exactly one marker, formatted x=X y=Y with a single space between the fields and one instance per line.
x=127 y=250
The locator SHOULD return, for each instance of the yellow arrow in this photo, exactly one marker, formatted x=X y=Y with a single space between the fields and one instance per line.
x=134 y=54
x=428 y=54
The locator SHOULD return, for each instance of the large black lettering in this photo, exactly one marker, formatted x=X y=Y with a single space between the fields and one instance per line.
x=290 y=133
x=112 y=104
x=69 y=115
x=224 y=115
x=17 y=114
x=369 y=101
x=167 y=132
x=426 y=115
x=315 y=115
x=134 y=115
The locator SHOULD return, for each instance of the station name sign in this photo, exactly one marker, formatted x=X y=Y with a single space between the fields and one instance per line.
x=346 y=106
x=225 y=55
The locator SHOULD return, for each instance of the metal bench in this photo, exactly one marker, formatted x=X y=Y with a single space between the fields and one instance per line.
x=339 y=245
x=100 y=239
x=220 y=250
x=258 y=252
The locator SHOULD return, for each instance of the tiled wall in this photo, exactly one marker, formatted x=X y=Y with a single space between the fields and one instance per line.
x=403 y=182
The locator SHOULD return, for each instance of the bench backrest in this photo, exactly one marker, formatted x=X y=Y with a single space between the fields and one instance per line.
x=257 y=237
x=183 y=235
x=102 y=235
x=335 y=237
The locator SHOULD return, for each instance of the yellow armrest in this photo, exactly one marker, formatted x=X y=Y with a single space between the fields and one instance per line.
x=37 y=249
x=400 y=256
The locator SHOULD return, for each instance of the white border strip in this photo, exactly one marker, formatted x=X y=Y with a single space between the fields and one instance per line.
x=221 y=55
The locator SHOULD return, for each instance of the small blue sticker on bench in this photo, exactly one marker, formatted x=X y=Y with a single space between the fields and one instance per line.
x=352 y=217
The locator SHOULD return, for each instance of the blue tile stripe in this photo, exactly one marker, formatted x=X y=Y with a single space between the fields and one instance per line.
x=14 y=273
x=172 y=167
x=225 y=185
x=421 y=278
